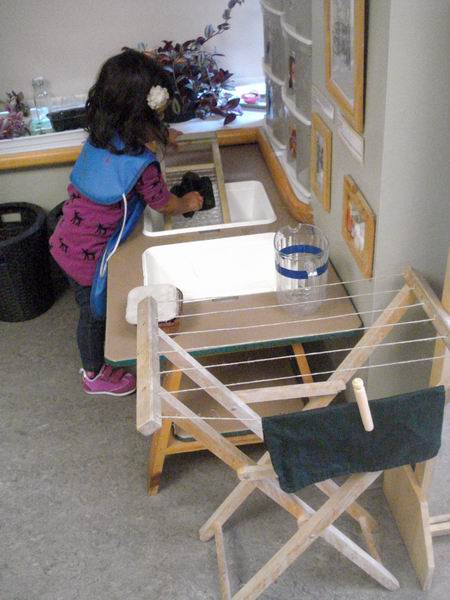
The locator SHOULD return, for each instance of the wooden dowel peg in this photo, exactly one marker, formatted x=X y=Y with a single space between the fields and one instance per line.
x=363 y=403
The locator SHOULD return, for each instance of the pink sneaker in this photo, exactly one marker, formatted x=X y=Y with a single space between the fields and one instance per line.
x=113 y=382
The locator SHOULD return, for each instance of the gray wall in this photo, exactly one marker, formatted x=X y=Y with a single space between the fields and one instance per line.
x=368 y=175
x=405 y=176
x=414 y=214
x=67 y=40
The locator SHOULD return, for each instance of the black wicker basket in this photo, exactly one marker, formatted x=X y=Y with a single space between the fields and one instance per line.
x=25 y=285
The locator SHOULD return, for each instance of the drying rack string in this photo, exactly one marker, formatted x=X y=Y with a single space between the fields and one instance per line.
x=303 y=337
x=284 y=378
x=278 y=305
x=296 y=321
x=305 y=354
x=348 y=282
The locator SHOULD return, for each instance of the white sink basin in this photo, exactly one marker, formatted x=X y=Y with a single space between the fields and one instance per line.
x=248 y=205
x=214 y=268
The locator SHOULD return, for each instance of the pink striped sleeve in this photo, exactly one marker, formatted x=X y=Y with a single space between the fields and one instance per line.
x=152 y=187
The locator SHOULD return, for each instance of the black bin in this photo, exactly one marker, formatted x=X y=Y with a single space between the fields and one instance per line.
x=25 y=285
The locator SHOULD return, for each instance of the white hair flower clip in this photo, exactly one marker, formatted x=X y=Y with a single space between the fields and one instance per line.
x=157 y=97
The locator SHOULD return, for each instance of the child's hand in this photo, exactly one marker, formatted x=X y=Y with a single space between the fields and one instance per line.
x=173 y=135
x=192 y=201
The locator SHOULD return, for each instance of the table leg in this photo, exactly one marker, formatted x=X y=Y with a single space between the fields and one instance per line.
x=302 y=363
x=160 y=440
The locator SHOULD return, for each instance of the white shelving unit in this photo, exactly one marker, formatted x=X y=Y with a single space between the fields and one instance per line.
x=288 y=125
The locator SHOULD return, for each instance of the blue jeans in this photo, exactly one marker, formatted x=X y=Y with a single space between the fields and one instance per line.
x=90 y=330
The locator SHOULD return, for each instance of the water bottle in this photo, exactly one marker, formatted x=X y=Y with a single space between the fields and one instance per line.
x=41 y=100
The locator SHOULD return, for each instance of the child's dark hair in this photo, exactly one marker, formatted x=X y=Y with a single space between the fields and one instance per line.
x=117 y=103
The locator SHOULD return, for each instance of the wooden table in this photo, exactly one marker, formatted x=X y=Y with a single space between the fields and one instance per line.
x=250 y=158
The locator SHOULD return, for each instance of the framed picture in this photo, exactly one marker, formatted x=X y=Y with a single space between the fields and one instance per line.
x=358 y=226
x=344 y=57
x=321 y=144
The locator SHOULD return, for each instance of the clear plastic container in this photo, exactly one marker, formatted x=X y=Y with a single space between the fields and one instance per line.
x=269 y=103
x=267 y=34
x=303 y=18
x=301 y=262
x=290 y=12
x=279 y=124
x=298 y=14
x=291 y=148
x=275 y=4
x=303 y=79
x=290 y=65
x=303 y=153
x=273 y=43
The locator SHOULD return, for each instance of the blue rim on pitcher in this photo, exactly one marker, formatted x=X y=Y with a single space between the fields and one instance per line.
x=302 y=249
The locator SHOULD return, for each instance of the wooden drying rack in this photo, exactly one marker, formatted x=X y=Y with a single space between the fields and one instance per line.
x=405 y=488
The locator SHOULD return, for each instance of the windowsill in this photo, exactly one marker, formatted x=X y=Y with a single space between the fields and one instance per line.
x=76 y=137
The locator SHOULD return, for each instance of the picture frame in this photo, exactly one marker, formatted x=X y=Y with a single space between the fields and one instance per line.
x=358 y=226
x=344 y=57
x=321 y=157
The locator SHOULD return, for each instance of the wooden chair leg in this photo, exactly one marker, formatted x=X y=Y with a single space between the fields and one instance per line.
x=157 y=456
x=307 y=534
x=160 y=440
x=224 y=578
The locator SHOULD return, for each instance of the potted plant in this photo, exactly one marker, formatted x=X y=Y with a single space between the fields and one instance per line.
x=196 y=78
x=13 y=122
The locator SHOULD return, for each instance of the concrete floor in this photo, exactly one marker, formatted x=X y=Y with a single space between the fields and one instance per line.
x=76 y=523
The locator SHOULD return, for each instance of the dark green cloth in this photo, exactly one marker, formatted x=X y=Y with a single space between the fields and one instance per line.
x=315 y=445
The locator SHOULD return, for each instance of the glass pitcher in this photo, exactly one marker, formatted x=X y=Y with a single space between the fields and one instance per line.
x=301 y=262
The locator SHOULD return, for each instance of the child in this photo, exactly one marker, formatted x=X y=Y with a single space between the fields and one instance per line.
x=115 y=176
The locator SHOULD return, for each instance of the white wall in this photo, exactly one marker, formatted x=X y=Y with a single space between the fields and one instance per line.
x=66 y=41
x=414 y=216
x=405 y=177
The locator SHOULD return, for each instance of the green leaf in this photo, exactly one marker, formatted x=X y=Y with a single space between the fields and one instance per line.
x=209 y=30
x=176 y=106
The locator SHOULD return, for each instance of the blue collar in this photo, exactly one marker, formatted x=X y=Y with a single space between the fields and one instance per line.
x=104 y=177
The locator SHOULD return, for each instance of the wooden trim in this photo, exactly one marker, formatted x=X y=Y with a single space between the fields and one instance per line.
x=353 y=114
x=352 y=195
x=235 y=137
x=318 y=126
x=195 y=167
x=39 y=158
x=299 y=210
x=221 y=182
